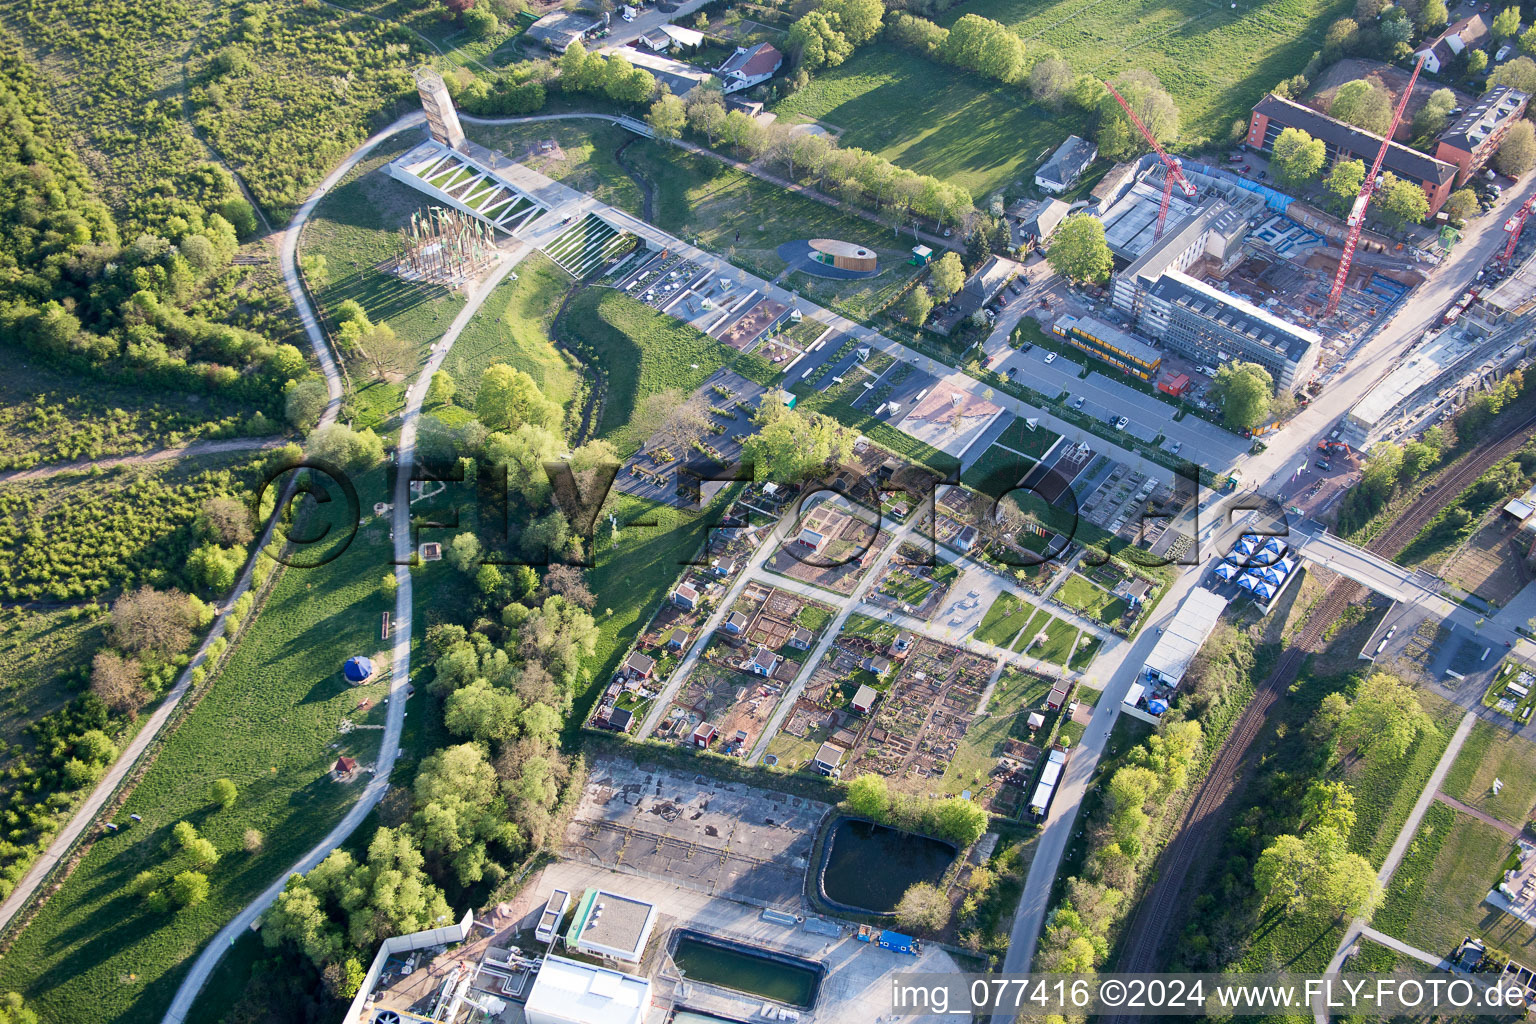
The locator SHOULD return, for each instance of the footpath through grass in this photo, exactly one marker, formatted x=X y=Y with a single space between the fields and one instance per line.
x=268 y=722
x=1436 y=895
x=1493 y=753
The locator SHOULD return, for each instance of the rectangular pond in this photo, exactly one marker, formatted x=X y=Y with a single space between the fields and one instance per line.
x=752 y=971
x=867 y=867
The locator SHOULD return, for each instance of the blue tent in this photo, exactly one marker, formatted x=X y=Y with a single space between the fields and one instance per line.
x=357 y=669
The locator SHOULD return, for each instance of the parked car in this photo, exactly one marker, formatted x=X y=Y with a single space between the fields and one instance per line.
x=1324 y=465
x=1026 y=346
x=1050 y=357
x=1121 y=423
x=1177 y=446
x=1077 y=403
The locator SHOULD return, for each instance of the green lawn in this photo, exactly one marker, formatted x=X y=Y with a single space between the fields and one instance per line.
x=1016 y=695
x=1060 y=636
x=1087 y=649
x=1003 y=620
x=1042 y=620
x=997 y=471
x=514 y=326
x=1034 y=443
x=268 y=722
x=1436 y=896
x=1386 y=792
x=356 y=228
x=585 y=160
x=631 y=579
x=1091 y=599
x=746 y=219
x=1216 y=61
x=1493 y=753
x=932 y=119
x=641 y=351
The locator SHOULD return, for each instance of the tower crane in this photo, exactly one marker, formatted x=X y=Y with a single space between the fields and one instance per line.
x=1173 y=175
x=1367 y=189
x=1515 y=223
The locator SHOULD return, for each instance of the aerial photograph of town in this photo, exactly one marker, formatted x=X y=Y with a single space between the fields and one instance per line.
x=735 y=511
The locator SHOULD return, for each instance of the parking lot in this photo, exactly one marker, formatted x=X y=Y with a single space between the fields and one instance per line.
x=1107 y=399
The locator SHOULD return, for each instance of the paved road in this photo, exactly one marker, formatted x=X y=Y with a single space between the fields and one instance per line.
x=194 y=450
x=378 y=784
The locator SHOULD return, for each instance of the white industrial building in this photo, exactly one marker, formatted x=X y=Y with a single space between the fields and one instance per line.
x=1182 y=638
x=569 y=992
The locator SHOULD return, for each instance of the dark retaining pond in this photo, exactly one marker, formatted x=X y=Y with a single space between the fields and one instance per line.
x=867 y=866
x=756 y=972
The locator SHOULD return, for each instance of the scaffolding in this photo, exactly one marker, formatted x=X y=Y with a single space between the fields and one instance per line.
x=442 y=245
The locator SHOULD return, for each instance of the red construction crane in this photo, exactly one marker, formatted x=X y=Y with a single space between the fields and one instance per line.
x=1367 y=189
x=1515 y=223
x=1173 y=176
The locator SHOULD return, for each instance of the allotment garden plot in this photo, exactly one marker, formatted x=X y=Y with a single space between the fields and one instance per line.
x=831 y=545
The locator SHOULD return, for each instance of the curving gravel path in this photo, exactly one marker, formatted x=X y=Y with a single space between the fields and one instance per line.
x=389 y=748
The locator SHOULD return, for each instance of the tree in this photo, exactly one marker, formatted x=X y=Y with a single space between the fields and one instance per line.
x=1517 y=153
x=923 y=908
x=1316 y=875
x=668 y=117
x=570 y=583
x=304 y=401
x=1078 y=249
x=355 y=451
x=1363 y=104
x=1341 y=39
x=1519 y=73
x=1385 y=718
x=119 y=682
x=1528 y=40
x=792 y=446
x=1433 y=15
x=225 y=520
x=1243 y=390
x=240 y=215
x=959 y=820
x=1343 y=183
x=1050 y=81
x=464 y=552
x=442 y=388
x=482 y=712
x=1506 y=23
x=199 y=849
x=460 y=811
x=1298 y=157
x=1118 y=138
x=189 y=888
x=858 y=20
x=557 y=636
x=149 y=621
x=223 y=793
x=1477 y=62
x=869 y=797
x=214 y=568
x=1400 y=202
x=947 y=275
x=706 y=113
x=816 y=41
x=251 y=841
x=481 y=22
x=986 y=47
x=1433 y=115
x=916 y=305
x=509 y=397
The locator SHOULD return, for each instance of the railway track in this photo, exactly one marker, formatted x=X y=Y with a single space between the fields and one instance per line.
x=1159 y=910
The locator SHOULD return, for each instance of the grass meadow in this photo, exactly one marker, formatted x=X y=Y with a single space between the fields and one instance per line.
x=269 y=723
